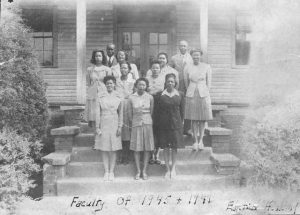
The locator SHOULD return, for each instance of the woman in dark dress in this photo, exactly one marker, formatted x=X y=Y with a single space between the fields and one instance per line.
x=171 y=112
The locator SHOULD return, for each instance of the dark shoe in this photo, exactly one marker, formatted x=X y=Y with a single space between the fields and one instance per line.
x=151 y=161
x=158 y=162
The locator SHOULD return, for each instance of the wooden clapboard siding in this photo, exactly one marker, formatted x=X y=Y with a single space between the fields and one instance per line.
x=61 y=85
x=99 y=30
x=188 y=23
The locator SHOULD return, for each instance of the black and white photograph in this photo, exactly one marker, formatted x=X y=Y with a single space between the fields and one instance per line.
x=148 y=107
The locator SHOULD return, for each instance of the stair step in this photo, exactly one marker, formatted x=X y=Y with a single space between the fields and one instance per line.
x=88 y=140
x=88 y=154
x=121 y=185
x=96 y=169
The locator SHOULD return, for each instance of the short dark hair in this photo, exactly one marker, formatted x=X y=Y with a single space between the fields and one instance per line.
x=154 y=62
x=109 y=77
x=93 y=61
x=142 y=79
x=196 y=50
x=163 y=53
x=126 y=55
x=169 y=76
x=128 y=64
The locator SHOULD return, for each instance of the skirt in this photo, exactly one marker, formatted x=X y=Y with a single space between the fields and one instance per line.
x=170 y=138
x=198 y=108
x=142 y=138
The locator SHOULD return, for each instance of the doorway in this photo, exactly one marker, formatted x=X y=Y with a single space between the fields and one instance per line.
x=144 y=33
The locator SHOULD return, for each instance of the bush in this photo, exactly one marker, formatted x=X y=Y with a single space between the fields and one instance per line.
x=16 y=165
x=271 y=143
x=22 y=90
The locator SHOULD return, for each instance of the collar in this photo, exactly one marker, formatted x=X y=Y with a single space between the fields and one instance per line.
x=174 y=93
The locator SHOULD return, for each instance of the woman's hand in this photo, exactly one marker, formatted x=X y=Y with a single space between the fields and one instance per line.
x=119 y=131
x=98 y=131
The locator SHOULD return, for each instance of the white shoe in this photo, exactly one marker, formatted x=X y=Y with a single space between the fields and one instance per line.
x=168 y=175
x=111 y=176
x=195 y=146
x=105 y=177
x=173 y=174
x=200 y=145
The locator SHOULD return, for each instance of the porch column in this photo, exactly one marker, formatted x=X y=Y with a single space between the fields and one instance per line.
x=204 y=28
x=81 y=50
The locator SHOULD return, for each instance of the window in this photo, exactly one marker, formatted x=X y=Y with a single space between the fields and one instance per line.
x=158 y=42
x=41 y=22
x=131 y=43
x=242 y=39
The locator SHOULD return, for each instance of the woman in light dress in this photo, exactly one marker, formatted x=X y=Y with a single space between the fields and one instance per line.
x=109 y=120
x=197 y=99
x=141 y=109
x=94 y=79
x=125 y=86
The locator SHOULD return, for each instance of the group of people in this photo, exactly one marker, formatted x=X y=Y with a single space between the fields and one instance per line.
x=143 y=114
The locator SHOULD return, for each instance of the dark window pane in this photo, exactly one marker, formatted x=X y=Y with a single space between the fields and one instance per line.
x=47 y=58
x=242 y=42
x=38 y=19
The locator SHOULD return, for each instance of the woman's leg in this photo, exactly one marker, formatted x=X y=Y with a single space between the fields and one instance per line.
x=201 y=131
x=137 y=163
x=174 y=156
x=146 y=160
x=105 y=158
x=112 y=161
x=167 y=162
x=195 y=134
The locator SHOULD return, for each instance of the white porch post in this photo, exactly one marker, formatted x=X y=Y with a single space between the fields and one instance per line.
x=204 y=28
x=81 y=50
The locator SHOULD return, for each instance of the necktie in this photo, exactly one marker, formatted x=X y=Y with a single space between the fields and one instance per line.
x=109 y=62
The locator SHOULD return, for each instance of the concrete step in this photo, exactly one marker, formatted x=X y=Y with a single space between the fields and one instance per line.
x=96 y=169
x=88 y=139
x=155 y=184
x=88 y=154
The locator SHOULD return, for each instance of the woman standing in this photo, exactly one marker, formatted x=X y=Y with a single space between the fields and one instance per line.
x=109 y=118
x=122 y=57
x=156 y=86
x=94 y=80
x=141 y=109
x=198 y=103
x=171 y=112
x=125 y=87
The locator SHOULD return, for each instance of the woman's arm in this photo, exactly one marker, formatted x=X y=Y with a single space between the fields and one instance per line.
x=88 y=77
x=98 y=110
x=182 y=102
x=120 y=118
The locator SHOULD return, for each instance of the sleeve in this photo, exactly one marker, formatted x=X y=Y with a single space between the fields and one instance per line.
x=120 y=113
x=186 y=77
x=208 y=77
x=177 y=78
x=151 y=104
x=88 y=77
x=182 y=105
x=98 y=107
x=148 y=74
x=135 y=71
x=130 y=112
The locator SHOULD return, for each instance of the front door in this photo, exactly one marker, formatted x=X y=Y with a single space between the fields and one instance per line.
x=143 y=44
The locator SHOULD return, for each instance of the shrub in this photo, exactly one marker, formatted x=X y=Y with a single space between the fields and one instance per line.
x=16 y=165
x=22 y=90
x=271 y=143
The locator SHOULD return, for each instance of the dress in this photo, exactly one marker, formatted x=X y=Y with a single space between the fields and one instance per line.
x=171 y=110
x=197 y=98
x=142 y=132
x=109 y=115
x=94 y=80
x=125 y=88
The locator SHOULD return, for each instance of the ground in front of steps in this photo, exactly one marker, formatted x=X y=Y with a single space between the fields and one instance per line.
x=233 y=201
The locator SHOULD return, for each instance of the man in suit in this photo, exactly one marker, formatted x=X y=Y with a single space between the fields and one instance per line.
x=110 y=54
x=178 y=62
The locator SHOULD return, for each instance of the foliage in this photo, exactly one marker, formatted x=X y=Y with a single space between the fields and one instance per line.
x=16 y=165
x=22 y=90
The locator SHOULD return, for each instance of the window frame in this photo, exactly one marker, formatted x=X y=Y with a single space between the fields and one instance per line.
x=53 y=9
x=233 y=43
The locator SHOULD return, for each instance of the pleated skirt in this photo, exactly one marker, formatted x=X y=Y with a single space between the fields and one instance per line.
x=198 y=108
x=142 y=138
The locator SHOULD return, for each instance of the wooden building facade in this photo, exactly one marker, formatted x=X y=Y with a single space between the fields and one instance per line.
x=66 y=32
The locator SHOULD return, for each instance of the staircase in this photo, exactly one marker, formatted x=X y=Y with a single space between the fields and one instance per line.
x=75 y=168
